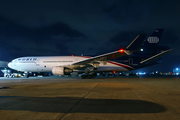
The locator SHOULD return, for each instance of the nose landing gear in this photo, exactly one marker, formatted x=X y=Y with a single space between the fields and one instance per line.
x=26 y=74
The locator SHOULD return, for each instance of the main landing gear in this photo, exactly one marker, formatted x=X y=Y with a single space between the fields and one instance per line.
x=88 y=76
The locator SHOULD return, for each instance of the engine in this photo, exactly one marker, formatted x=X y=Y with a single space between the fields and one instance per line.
x=61 y=71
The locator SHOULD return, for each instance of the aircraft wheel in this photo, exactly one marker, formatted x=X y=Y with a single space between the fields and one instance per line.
x=89 y=76
x=94 y=76
x=26 y=76
x=7 y=76
x=12 y=76
x=83 y=76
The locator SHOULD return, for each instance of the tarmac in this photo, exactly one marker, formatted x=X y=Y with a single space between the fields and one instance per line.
x=118 y=98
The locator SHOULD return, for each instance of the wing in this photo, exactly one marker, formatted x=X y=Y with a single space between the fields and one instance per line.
x=133 y=46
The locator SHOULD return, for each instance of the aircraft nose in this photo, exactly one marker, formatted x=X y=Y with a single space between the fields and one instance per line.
x=10 y=65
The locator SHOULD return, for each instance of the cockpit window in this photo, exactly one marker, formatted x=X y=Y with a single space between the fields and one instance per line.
x=14 y=61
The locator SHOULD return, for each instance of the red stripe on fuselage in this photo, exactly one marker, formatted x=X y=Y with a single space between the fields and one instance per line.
x=122 y=65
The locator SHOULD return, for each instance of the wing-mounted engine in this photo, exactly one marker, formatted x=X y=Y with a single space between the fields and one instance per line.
x=61 y=70
x=95 y=64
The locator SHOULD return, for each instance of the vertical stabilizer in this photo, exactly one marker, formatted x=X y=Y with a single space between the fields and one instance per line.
x=154 y=38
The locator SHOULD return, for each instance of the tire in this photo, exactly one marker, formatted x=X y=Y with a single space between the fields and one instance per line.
x=83 y=76
x=94 y=76
x=89 y=76
x=12 y=76
x=7 y=76
x=26 y=76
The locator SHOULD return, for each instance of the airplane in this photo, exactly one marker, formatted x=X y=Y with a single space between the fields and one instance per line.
x=143 y=51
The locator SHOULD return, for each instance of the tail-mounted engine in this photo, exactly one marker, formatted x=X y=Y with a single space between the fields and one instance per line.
x=61 y=71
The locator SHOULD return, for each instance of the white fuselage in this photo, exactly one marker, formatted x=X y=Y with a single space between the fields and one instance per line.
x=46 y=64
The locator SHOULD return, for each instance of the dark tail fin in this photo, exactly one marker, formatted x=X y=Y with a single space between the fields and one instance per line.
x=153 y=39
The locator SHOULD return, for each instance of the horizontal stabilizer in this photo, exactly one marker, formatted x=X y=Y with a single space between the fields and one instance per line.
x=156 y=56
x=137 y=42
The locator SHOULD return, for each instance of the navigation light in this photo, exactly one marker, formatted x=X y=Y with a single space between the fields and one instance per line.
x=121 y=50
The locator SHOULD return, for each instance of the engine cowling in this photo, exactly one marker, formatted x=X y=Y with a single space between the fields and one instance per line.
x=61 y=71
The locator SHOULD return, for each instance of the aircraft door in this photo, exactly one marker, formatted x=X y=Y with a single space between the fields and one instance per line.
x=36 y=62
x=130 y=61
x=75 y=60
x=38 y=67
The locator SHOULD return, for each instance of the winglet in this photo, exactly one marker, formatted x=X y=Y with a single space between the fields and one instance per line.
x=137 y=42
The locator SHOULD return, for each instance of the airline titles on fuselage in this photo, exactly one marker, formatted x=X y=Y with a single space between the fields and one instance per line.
x=32 y=60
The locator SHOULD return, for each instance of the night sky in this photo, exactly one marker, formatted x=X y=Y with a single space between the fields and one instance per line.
x=89 y=27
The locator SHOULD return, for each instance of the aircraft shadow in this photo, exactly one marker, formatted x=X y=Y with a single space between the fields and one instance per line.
x=78 y=105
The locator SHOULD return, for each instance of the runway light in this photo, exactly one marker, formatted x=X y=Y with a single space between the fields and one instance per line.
x=121 y=50
x=72 y=55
